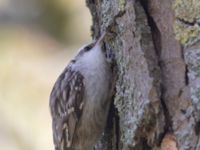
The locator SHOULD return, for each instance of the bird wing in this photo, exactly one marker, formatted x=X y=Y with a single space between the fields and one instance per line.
x=66 y=103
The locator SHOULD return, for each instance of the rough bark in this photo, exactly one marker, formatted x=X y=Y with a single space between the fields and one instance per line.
x=157 y=65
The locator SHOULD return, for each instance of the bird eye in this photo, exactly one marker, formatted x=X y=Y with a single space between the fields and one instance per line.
x=88 y=47
x=73 y=60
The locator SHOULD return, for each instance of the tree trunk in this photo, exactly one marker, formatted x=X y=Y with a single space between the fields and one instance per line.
x=157 y=53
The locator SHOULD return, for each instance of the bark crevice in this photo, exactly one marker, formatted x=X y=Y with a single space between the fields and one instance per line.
x=156 y=38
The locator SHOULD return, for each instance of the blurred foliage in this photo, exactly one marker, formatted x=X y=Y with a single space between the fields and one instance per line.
x=54 y=18
x=37 y=39
x=68 y=21
x=65 y=19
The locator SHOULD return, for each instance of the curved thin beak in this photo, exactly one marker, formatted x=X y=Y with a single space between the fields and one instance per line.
x=100 y=40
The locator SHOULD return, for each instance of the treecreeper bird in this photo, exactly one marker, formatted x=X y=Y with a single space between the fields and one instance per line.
x=80 y=99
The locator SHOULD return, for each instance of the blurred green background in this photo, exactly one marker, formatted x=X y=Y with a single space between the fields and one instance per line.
x=37 y=39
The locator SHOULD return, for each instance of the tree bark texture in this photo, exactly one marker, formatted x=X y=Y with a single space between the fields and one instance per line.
x=157 y=66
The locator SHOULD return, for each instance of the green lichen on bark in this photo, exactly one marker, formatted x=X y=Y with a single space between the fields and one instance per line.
x=135 y=82
x=186 y=34
x=188 y=10
x=121 y=5
x=124 y=100
x=107 y=13
x=186 y=28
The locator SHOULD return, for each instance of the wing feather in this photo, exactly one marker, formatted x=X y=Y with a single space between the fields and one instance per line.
x=66 y=104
